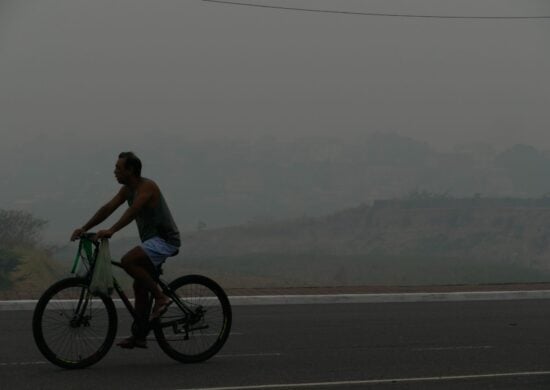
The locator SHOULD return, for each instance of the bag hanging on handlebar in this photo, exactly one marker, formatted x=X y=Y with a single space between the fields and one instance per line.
x=102 y=278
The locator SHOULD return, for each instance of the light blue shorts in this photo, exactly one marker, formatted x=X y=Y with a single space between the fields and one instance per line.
x=158 y=250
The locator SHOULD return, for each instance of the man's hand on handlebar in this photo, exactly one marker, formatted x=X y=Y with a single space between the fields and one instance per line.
x=103 y=234
x=77 y=233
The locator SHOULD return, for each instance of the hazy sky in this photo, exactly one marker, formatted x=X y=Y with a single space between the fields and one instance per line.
x=84 y=74
x=72 y=66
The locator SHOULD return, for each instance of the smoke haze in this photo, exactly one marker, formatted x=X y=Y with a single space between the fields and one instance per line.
x=81 y=81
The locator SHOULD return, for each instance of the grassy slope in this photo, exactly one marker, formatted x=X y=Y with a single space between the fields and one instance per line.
x=35 y=272
x=368 y=245
x=380 y=246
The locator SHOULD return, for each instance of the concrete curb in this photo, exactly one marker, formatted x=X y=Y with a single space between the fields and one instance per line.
x=345 y=298
x=388 y=297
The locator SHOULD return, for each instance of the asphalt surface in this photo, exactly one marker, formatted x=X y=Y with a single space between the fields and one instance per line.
x=422 y=345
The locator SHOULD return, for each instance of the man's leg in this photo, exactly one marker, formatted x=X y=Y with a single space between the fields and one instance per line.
x=137 y=264
x=141 y=294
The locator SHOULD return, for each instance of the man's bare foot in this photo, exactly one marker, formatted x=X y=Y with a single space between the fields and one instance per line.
x=132 y=342
x=161 y=305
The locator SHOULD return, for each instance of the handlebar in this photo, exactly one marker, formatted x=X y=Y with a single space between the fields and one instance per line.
x=87 y=236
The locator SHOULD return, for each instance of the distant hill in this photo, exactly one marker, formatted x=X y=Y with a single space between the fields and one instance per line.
x=226 y=181
x=399 y=242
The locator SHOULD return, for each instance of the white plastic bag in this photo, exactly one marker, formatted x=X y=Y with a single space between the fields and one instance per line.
x=102 y=279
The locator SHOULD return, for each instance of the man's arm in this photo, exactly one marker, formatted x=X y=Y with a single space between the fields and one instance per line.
x=145 y=194
x=103 y=213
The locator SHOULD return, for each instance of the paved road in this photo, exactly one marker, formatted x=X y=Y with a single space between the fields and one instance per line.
x=451 y=345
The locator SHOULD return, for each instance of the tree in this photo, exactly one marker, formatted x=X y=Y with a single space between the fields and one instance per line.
x=19 y=227
x=201 y=225
x=428 y=195
x=8 y=263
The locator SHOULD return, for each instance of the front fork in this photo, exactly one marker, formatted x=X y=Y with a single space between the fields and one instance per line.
x=79 y=316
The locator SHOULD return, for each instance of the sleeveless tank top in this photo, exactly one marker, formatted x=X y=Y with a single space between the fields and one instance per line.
x=156 y=222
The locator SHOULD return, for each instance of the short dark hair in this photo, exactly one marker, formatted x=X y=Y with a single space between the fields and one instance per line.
x=131 y=161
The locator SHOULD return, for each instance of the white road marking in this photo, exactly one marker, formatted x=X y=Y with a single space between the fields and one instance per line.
x=236 y=355
x=153 y=337
x=21 y=363
x=379 y=381
x=453 y=348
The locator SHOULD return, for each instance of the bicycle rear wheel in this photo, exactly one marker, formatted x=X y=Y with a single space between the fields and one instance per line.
x=72 y=328
x=195 y=337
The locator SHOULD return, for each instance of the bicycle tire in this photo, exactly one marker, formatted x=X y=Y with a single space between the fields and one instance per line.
x=187 y=342
x=54 y=318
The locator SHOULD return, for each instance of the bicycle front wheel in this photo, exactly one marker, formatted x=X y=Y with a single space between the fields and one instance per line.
x=72 y=328
x=198 y=333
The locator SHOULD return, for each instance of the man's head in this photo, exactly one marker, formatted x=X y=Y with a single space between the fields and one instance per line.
x=128 y=166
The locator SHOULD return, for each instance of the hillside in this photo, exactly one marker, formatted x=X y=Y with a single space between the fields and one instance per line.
x=400 y=242
x=381 y=245
x=229 y=181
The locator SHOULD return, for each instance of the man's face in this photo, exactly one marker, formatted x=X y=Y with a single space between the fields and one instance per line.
x=122 y=174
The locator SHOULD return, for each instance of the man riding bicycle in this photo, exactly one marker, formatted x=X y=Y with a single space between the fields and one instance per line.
x=157 y=230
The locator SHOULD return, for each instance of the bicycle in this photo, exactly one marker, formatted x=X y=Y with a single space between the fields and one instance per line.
x=75 y=329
